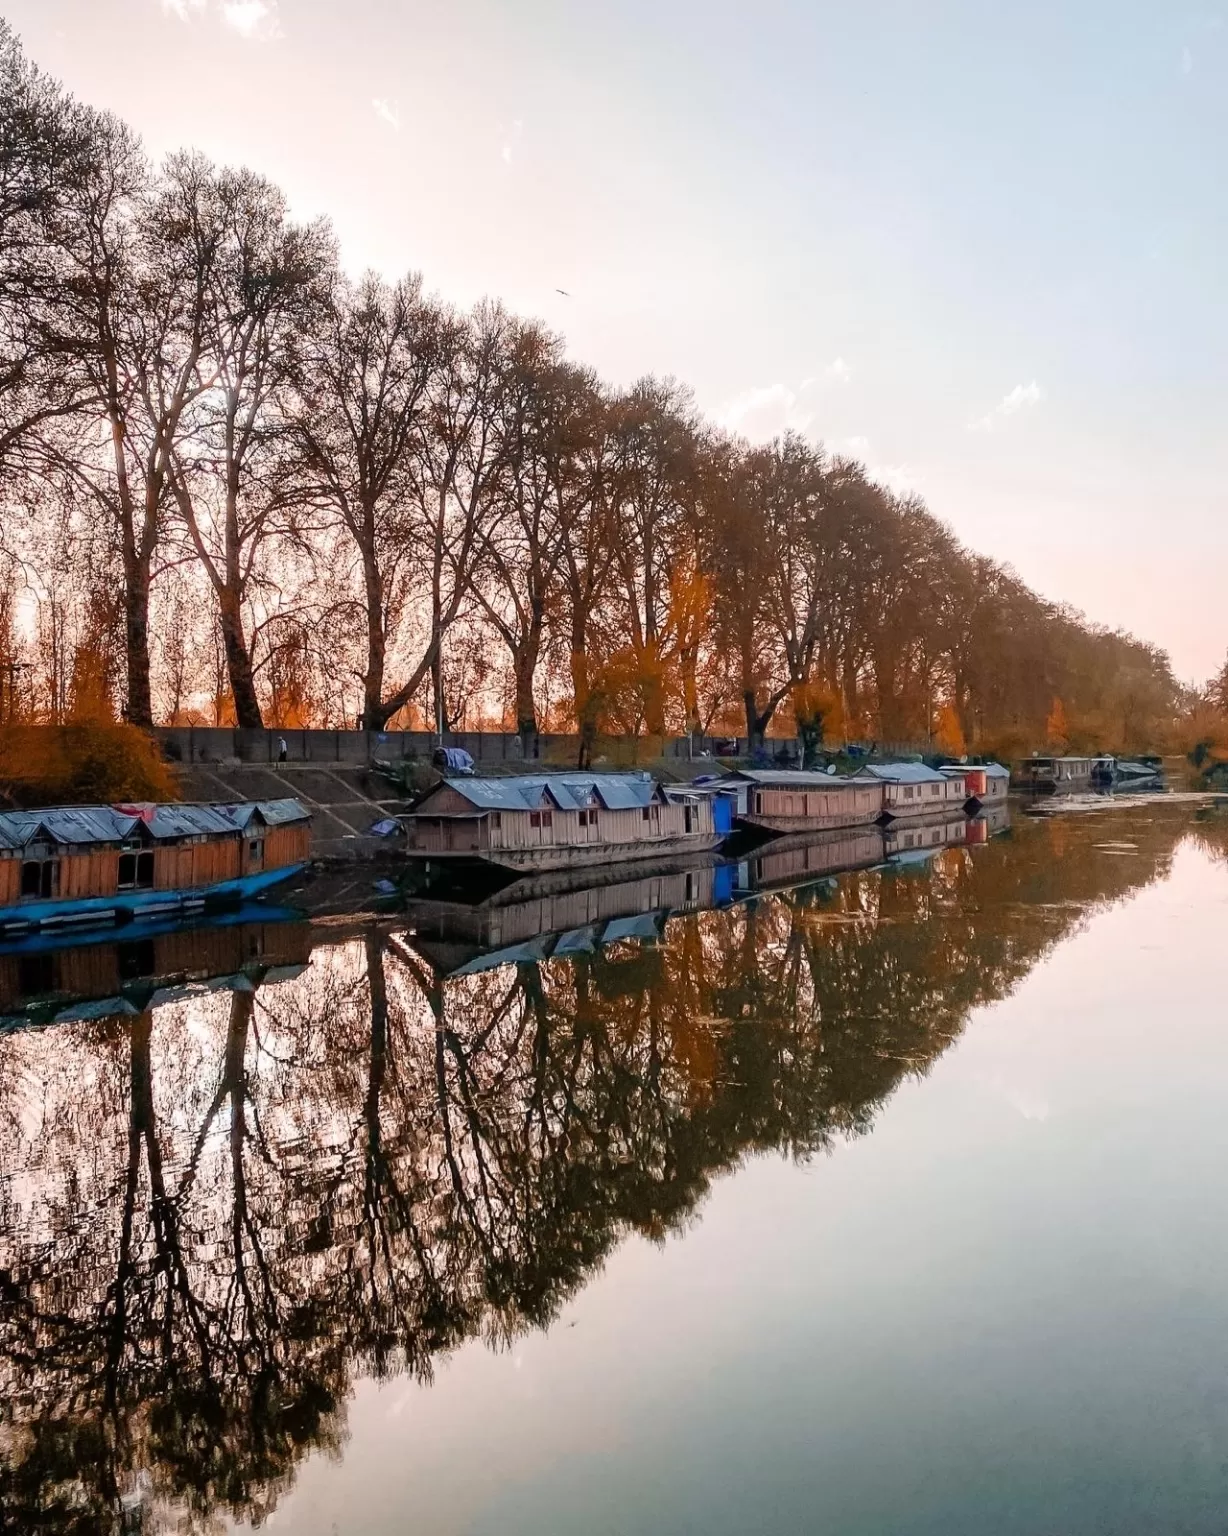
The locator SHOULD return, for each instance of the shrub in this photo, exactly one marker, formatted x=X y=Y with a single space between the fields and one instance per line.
x=93 y=764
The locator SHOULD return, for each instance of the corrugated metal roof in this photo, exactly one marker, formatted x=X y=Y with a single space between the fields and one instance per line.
x=188 y=821
x=904 y=773
x=84 y=824
x=70 y=824
x=569 y=791
x=276 y=813
x=793 y=778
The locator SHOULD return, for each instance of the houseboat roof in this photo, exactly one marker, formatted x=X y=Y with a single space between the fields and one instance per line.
x=91 y=824
x=275 y=813
x=569 y=791
x=906 y=773
x=990 y=770
x=793 y=778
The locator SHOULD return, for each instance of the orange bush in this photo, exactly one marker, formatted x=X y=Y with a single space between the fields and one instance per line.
x=87 y=764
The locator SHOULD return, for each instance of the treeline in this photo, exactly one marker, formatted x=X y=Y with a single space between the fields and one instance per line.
x=237 y=486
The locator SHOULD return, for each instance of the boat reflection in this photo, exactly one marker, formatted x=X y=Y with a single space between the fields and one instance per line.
x=218 y=1214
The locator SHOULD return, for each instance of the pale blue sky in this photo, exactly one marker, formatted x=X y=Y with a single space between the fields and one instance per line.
x=980 y=244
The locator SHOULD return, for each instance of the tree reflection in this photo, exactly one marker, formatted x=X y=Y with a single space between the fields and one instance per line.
x=215 y=1217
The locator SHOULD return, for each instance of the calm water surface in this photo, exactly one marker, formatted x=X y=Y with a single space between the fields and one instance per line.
x=891 y=1203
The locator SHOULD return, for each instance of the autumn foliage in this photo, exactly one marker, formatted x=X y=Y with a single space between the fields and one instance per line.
x=81 y=764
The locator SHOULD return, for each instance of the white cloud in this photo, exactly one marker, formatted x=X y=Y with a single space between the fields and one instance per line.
x=1022 y=397
x=768 y=409
x=249 y=18
x=252 y=18
x=763 y=412
x=387 y=112
x=510 y=139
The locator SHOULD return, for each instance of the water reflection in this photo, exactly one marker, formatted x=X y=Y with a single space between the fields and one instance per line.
x=217 y=1214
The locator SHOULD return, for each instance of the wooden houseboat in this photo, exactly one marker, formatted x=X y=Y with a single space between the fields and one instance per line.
x=987 y=784
x=911 y=791
x=1046 y=775
x=556 y=821
x=83 y=865
x=785 y=800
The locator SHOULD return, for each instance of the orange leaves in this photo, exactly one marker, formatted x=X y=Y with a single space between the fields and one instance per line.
x=1057 y=730
x=948 y=733
x=89 y=763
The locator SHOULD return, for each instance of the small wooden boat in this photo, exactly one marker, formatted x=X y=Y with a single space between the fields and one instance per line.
x=77 y=866
x=556 y=821
x=912 y=792
x=786 y=800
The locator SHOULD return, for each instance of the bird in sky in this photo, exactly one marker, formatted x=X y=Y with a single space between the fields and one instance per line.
x=564 y=292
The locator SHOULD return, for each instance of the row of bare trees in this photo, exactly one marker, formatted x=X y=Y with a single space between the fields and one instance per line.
x=236 y=484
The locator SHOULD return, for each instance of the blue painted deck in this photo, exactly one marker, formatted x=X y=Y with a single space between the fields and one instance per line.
x=138 y=906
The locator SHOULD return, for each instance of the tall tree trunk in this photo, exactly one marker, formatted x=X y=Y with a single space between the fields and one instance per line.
x=810 y=733
x=239 y=664
x=525 y=658
x=138 y=707
x=585 y=702
x=689 y=665
x=373 y=717
x=757 y=722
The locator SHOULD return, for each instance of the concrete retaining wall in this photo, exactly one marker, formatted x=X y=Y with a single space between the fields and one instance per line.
x=206 y=744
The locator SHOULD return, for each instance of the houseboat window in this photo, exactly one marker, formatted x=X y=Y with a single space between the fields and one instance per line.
x=645 y=813
x=496 y=818
x=255 y=851
x=547 y=818
x=136 y=871
x=40 y=877
x=535 y=818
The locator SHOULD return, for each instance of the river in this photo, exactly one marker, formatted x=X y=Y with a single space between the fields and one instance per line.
x=890 y=1202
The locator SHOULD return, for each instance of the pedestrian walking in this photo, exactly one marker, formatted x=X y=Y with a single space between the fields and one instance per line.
x=283 y=751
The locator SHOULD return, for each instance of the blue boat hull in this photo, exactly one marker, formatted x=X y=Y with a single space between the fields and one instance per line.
x=139 y=906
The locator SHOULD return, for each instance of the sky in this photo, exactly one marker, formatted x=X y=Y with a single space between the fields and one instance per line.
x=979 y=246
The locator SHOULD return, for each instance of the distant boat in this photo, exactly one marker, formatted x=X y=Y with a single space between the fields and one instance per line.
x=987 y=784
x=1046 y=775
x=911 y=791
x=556 y=821
x=78 y=866
x=787 y=800
x=1110 y=772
